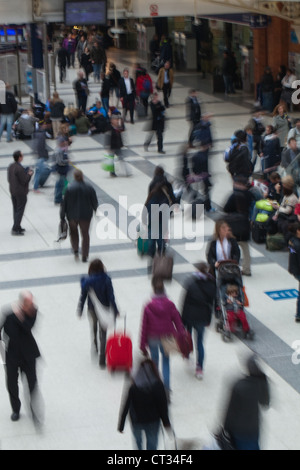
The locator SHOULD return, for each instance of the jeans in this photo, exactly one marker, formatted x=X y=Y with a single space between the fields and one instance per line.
x=155 y=347
x=245 y=444
x=105 y=104
x=6 y=119
x=38 y=171
x=59 y=188
x=228 y=84
x=151 y=430
x=97 y=71
x=200 y=328
x=161 y=244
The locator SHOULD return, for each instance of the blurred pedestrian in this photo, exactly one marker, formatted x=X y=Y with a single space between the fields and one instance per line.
x=18 y=179
x=127 y=95
x=79 y=203
x=165 y=81
x=160 y=319
x=294 y=258
x=243 y=413
x=21 y=353
x=146 y=403
x=197 y=309
x=100 y=282
x=157 y=124
x=7 y=113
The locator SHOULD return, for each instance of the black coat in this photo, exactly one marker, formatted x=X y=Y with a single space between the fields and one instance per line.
x=198 y=301
x=242 y=417
x=80 y=201
x=21 y=345
x=145 y=405
x=158 y=116
x=10 y=106
x=18 y=180
x=239 y=162
x=212 y=252
x=294 y=257
x=123 y=89
x=238 y=207
x=193 y=110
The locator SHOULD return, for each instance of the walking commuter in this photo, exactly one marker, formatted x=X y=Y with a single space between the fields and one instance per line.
x=115 y=77
x=146 y=403
x=160 y=318
x=62 y=60
x=267 y=90
x=242 y=418
x=165 y=81
x=116 y=142
x=228 y=73
x=100 y=282
x=157 y=124
x=193 y=111
x=238 y=207
x=21 y=353
x=98 y=59
x=281 y=124
x=62 y=168
x=222 y=247
x=86 y=63
x=79 y=203
x=57 y=108
x=144 y=88
x=156 y=214
x=239 y=158
x=69 y=44
x=42 y=155
x=80 y=48
x=18 y=179
x=7 y=113
x=294 y=259
x=127 y=95
x=105 y=91
x=82 y=91
x=197 y=309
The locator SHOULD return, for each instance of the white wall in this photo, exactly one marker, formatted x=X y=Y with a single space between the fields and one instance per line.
x=15 y=11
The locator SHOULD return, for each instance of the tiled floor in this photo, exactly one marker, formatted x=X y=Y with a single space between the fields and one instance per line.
x=81 y=402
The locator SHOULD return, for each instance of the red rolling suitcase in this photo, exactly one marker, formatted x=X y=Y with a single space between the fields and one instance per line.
x=119 y=351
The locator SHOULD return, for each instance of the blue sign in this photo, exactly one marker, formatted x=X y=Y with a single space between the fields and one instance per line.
x=283 y=294
x=249 y=19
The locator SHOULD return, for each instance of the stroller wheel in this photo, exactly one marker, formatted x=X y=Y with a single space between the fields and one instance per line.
x=218 y=327
x=226 y=336
x=250 y=335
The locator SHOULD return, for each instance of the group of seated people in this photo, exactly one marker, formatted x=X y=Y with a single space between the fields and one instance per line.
x=94 y=121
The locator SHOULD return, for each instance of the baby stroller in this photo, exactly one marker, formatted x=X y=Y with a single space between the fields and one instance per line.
x=229 y=274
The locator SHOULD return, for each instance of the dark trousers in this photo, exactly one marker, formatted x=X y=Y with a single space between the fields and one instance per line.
x=159 y=135
x=82 y=101
x=102 y=337
x=19 y=204
x=166 y=92
x=62 y=72
x=12 y=374
x=84 y=226
x=128 y=104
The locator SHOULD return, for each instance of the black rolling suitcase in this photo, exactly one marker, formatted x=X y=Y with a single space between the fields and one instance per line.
x=259 y=232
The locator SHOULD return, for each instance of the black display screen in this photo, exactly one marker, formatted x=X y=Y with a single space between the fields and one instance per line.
x=83 y=13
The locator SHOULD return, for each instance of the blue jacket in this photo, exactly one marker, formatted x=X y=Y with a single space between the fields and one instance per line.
x=102 y=285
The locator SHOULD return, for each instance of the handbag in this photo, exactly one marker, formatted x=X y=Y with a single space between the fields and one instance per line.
x=163 y=266
x=170 y=344
x=63 y=229
x=104 y=314
x=108 y=163
x=185 y=343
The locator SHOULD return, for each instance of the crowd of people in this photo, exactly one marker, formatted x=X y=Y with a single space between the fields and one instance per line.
x=275 y=185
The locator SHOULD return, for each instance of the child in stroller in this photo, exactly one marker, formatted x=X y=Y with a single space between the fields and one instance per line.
x=231 y=301
x=235 y=310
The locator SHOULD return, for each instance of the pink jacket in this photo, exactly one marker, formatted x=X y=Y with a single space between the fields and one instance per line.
x=160 y=318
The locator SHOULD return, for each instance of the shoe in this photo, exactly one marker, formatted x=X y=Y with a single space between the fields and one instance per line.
x=15 y=416
x=161 y=151
x=76 y=256
x=113 y=175
x=22 y=230
x=145 y=148
x=17 y=233
x=246 y=274
x=199 y=373
x=84 y=260
x=297 y=319
x=249 y=334
x=211 y=210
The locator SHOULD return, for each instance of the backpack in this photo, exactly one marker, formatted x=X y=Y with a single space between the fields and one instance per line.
x=275 y=242
x=147 y=85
